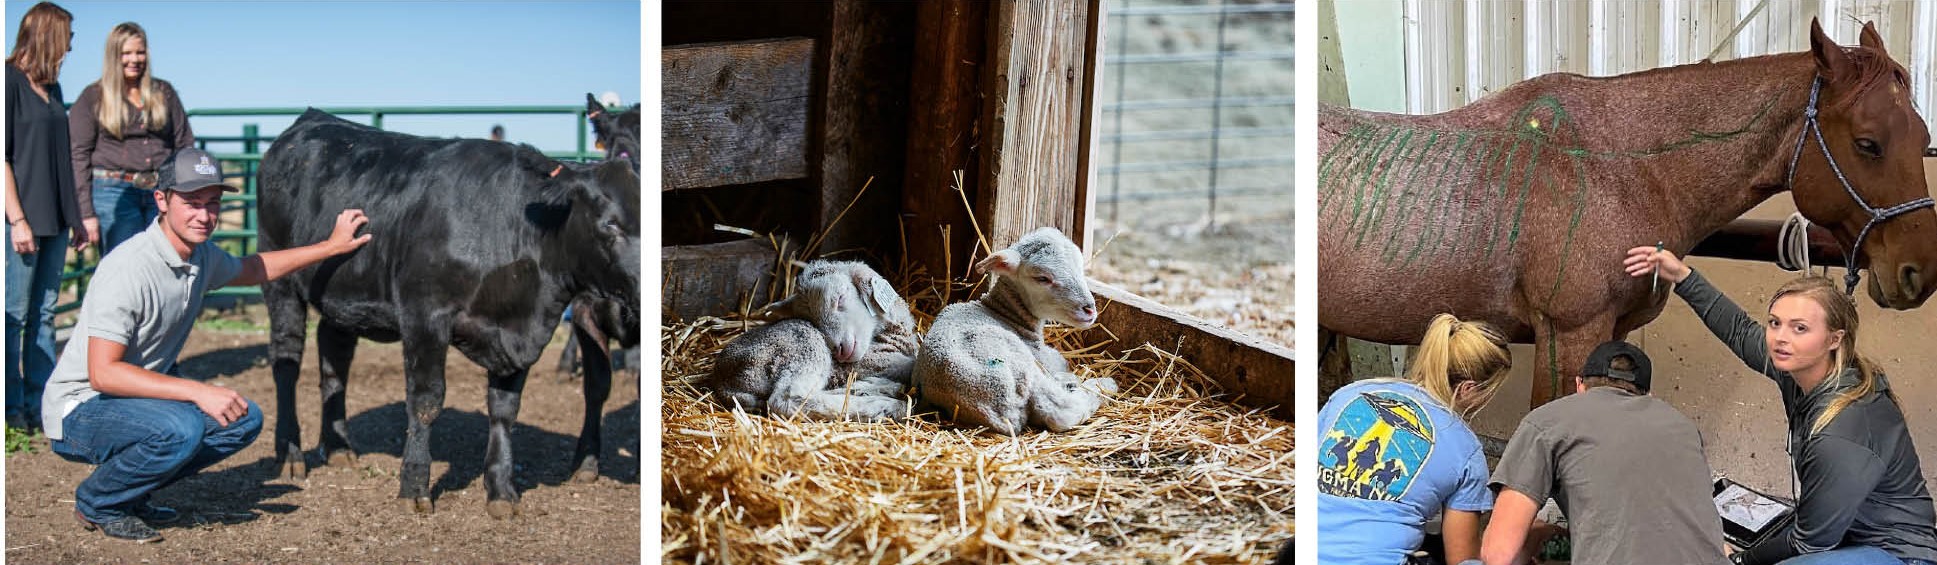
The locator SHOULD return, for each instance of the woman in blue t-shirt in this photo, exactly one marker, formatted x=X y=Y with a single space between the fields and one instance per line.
x=1393 y=453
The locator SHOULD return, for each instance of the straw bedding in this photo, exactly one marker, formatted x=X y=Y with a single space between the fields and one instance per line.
x=1165 y=472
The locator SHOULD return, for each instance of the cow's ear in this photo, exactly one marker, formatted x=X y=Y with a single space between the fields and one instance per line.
x=592 y=106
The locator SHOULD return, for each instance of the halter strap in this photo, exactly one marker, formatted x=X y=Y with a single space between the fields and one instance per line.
x=1813 y=127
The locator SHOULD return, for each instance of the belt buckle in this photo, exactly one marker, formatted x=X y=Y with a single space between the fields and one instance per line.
x=144 y=179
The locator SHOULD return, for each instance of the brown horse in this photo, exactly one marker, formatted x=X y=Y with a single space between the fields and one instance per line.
x=1517 y=209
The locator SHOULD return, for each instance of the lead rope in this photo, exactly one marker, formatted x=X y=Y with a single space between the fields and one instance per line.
x=1811 y=127
x=1792 y=249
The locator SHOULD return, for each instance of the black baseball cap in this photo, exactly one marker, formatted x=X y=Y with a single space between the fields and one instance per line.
x=1599 y=364
x=189 y=170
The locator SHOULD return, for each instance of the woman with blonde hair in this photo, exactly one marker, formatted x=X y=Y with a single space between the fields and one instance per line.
x=1393 y=453
x=44 y=214
x=1861 y=494
x=124 y=127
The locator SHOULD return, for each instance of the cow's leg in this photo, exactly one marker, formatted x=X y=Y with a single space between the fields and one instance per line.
x=597 y=387
x=502 y=403
x=568 y=359
x=424 y=350
x=334 y=350
x=288 y=320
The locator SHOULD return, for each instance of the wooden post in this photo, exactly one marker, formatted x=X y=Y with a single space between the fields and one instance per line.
x=943 y=136
x=863 y=125
x=1035 y=110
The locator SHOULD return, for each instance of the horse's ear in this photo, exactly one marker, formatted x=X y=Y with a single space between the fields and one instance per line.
x=1873 y=40
x=1831 y=62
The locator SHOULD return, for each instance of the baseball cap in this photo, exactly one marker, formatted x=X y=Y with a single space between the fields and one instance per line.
x=1599 y=364
x=189 y=170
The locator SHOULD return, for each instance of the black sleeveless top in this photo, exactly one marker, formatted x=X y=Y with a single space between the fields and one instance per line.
x=37 y=150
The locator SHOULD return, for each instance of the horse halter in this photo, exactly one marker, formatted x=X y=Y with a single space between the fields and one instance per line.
x=1877 y=215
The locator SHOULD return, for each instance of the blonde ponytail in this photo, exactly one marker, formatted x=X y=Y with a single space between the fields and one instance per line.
x=1453 y=352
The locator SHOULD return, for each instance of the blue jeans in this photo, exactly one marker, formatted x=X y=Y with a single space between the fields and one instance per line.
x=1847 y=555
x=33 y=282
x=143 y=444
x=124 y=211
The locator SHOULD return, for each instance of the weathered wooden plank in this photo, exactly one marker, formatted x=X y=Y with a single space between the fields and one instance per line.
x=1034 y=112
x=944 y=104
x=717 y=278
x=1260 y=372
x=735 y=113
x=1086 y=114
x=863 y=123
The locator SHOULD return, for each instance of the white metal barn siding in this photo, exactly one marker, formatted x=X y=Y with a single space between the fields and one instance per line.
x=1457 y=51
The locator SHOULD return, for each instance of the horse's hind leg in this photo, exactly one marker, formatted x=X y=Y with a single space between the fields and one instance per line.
x=1334 y=363
x=288 y=321
x=335 y=349
x=1561 y=350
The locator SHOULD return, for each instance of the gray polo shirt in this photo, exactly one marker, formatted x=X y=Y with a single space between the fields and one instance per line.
x=143 y=296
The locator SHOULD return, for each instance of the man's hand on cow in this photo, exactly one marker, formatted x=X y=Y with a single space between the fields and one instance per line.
x=344 y=238
x=224 y=405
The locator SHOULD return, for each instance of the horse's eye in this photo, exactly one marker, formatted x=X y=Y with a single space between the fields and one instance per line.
x=1868 y=147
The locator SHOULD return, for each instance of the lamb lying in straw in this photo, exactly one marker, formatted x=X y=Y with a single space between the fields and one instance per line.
x=984 y=361
x=844 y=350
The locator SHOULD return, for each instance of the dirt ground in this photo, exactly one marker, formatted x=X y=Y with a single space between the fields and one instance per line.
x=1237 y=273
x=235 y=512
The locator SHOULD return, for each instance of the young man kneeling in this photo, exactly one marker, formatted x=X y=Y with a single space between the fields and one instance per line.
x=113 y=400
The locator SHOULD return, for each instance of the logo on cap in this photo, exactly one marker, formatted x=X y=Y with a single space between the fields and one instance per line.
x=204 y=168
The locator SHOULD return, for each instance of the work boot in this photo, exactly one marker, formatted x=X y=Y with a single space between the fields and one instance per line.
x=127 y=528
x=150 y=513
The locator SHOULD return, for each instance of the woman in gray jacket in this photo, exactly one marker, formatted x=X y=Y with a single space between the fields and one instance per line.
x=1861 y=496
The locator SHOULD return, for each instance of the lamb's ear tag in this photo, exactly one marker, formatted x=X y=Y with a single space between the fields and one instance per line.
x=884 y=294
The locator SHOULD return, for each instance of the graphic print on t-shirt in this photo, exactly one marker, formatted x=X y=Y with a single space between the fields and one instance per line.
x=1375 y=448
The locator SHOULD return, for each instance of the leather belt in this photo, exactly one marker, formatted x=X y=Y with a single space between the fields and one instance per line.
x=144 y=179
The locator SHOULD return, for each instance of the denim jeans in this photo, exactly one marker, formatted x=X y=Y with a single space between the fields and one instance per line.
x=123 y=210
x=33 y=282
x=141 y=445
x=1848 y=555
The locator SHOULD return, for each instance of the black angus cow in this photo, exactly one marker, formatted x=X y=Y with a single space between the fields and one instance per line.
x=477 y=245
x=593 y=322
x=619 y=133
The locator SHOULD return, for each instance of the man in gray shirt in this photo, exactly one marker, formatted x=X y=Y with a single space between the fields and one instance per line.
x=1626 y=468
x=112 y=400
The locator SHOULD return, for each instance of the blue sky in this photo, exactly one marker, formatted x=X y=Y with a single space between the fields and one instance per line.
x=282 y=54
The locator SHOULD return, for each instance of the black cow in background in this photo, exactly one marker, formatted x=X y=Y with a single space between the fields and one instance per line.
x=594 y=320
x=619 y=133
x=477 y=245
